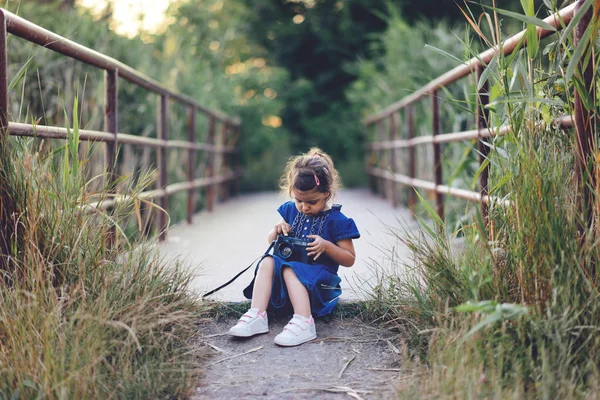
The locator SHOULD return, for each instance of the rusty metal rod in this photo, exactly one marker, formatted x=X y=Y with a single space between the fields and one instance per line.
x=380 y=158
x=394 y=161
x=38 y=35
x=432 y=187
x=54 y=132
x=182 y=144
x=3 y=79
x=111 y=123
x=191 y=164
x=565 y=15
x=221 y=160
x=585 y=125
x=7 y=207
x=158 y=193
x=481 y=116
x=412 y=157
x=210 y=167
x=436 y=126
x=563 y=122
x=162 y=163
x=111 y=126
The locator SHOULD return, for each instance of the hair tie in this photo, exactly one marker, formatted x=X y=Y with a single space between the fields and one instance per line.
x=316 y=179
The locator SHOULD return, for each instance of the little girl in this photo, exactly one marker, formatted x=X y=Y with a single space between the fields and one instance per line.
x=311 y=181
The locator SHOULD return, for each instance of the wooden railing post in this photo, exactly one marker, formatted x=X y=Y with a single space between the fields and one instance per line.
x=585 y=127
x=210 y=170
x=370 y=161
x=483 y=143
x=163 y=135
x=222 y=165
x=437 y=153
x=381 y=182
x=393 y=186
x=6 y=202
x=412 y=158
x=191 y=161
x=111 y=125
x=235 y=162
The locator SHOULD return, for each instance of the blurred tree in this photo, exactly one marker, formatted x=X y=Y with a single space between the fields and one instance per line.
x=315 y=40
x=62 y=3
x=220 y=63
x=318 y=41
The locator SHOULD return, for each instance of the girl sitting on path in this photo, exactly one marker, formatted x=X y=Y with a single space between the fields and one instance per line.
x=313 y=289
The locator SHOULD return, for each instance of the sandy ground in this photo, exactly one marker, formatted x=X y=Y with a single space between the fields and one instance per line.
x=349 y=359
x=219 y=244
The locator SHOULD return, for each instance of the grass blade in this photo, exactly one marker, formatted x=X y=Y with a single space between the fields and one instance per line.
x=432 y=213
x=529 y=20
x=578 y=53
x=444 y=53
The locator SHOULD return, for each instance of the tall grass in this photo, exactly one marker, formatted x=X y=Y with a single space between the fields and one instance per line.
x=516 y=314
x=79 y=317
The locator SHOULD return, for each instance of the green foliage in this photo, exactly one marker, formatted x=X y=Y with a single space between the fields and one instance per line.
x=524 y=281
x=406 y=63
x=315 y=41
x=235 y=77
x=205 y=53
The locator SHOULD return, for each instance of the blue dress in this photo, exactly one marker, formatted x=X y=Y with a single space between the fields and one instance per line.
x=320 y=279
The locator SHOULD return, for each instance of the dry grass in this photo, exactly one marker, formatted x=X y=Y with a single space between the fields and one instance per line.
x=79 y=318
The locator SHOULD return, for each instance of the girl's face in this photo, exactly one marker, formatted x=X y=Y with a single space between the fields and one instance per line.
x=310 y=202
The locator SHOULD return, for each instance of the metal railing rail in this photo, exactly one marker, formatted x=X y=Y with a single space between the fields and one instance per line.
x=229 y=126
x=388 y=177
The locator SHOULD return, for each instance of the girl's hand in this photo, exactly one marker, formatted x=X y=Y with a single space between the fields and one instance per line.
x=316 y=247
x=282 y=228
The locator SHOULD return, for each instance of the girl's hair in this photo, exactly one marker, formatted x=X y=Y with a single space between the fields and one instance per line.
x=313 y=169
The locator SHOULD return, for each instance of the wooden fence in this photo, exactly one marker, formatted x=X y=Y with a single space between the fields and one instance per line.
x=384 y=172
x=223 y=130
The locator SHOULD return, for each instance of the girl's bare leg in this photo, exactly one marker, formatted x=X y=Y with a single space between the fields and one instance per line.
x=297 y=292
x=262 y=285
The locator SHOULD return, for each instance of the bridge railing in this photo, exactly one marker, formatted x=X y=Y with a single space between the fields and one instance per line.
x=384 y=174
x=222 y=129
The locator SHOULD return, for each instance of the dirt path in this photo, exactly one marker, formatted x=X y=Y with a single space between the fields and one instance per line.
x=349 y=359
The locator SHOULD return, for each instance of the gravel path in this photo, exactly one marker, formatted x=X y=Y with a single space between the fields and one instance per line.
x=349 y=359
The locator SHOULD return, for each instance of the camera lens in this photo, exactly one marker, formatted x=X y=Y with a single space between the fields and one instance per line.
x=285 y=251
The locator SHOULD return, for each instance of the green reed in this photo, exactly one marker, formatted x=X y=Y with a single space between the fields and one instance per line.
x=513 y=312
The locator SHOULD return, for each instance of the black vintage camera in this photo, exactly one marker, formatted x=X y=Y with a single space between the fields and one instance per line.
x=292 y=249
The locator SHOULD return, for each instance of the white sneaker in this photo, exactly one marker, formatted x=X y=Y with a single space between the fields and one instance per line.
x=299 y=330
x=250 y=324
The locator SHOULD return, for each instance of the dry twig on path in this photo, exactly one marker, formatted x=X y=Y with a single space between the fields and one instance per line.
x=216 y=348
x=394 y=348
x=385 y=369
x=238 y=355
x=215 y=335
x=345 y=366
x=333 y=389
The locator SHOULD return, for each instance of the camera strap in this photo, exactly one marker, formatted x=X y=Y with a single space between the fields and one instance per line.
x=239 y=273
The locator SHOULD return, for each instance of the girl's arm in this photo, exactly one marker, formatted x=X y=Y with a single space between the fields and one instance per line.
x=341 y=252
